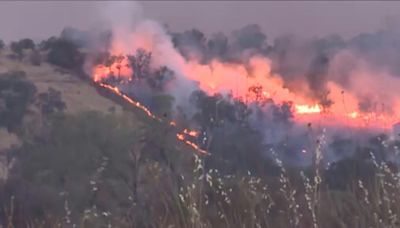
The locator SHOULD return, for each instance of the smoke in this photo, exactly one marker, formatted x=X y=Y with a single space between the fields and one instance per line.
x=297 y=90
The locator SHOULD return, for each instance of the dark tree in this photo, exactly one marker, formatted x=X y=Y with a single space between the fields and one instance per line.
x=36 y=58
x=317 y=77
x=2 y=45
x=191 y=43
x=47 y=44
x=110 y=61
x=19 y=47
x=51 y=101
x=65 y=54
x=118 y=61
x=160 y=77
x=26 y=44
x=250 y=36
x=140 y=64
x=218 y=46
x=282 y=113
x=16 y=94
x=256 y=91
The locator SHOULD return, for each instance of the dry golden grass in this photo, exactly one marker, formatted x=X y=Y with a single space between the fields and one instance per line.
x=78 y=95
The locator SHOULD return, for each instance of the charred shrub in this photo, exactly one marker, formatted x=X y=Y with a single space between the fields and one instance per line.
x=51 y=101
x=140 y=64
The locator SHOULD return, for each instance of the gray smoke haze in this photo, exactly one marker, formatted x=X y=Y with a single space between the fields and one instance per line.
x=42 y=19
x=306 y=64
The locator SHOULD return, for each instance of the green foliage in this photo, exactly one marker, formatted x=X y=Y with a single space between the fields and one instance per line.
x=71 y=157
x=93 y=170
x=16 y=93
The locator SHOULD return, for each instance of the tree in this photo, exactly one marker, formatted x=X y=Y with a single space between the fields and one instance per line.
x=114 y=60
x=191 y=43
x=16 y=93
x=51 y=101
x=118 y=61
x=26 y=44
x=162 y=105
x=83 y=158
x=2 y=45
x=36 y=58
x=65 y=54
x=160 y=77
x=218 y=46
x=19 y=47
x=250 y=36
x=140 y=64
x=47 y=44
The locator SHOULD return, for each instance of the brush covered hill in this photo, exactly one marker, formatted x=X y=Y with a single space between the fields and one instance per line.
x=63 y=139
x=75 y=155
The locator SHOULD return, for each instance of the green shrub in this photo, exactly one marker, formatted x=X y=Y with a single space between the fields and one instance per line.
x=84 y=158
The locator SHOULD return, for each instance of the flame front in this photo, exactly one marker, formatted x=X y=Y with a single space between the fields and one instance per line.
x=253 y=81
x=180 y=136
x=305 y=109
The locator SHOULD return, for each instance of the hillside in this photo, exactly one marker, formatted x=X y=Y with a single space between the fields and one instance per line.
x=78 y=95
x=91 y=157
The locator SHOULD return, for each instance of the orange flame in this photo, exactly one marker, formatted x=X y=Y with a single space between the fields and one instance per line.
x=191 y=132
x=180 y=136
x=305 y=109
x=237 y=79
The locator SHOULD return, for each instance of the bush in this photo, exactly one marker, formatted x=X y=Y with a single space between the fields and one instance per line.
x=51 y=101
x=46 y=44
x=2 y=45
x=16 y=93
x=36 y=58
x=19 y=47
x=162 y=105
x=65 y=54
x=70 y=157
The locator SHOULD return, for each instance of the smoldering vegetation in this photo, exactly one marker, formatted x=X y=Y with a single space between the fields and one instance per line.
x=306 y=67
x=265 y=169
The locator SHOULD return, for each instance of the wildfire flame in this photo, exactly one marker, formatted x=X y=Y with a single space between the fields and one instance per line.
x=254 y=81
x=180 y=136
x=261 y=85
x=305 y=109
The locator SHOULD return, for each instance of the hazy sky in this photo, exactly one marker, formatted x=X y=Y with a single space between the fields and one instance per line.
x=42 y=19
